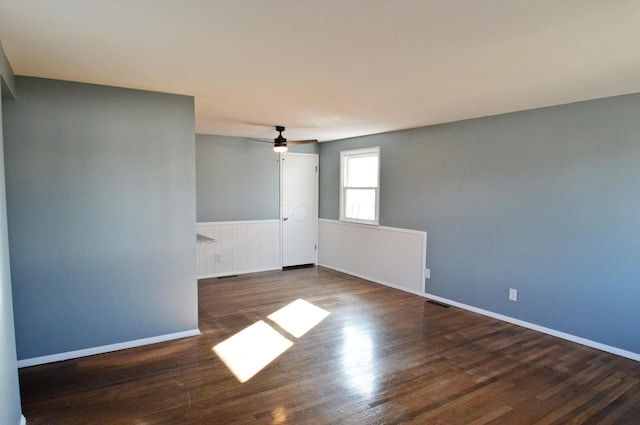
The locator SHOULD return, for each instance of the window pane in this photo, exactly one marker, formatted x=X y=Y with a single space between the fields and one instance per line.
x=362 y=171
x=360 y=204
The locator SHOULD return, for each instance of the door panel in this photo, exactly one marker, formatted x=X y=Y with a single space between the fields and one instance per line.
x=299 y=209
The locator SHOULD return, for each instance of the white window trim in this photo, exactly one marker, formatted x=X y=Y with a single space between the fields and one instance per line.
x=356 y=152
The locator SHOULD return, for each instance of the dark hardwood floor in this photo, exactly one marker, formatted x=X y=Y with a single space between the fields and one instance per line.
x=381 y=357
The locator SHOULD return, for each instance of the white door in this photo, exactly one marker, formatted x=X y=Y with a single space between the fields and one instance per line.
x=299 y=208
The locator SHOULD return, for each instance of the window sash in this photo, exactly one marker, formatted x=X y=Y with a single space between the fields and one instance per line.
x=359 y=202
x=358 y=171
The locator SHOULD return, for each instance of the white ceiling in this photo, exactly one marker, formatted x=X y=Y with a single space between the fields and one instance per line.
x=331 y=69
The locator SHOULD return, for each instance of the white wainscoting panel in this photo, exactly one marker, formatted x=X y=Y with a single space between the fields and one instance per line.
x=387 y=255
x=238 y=247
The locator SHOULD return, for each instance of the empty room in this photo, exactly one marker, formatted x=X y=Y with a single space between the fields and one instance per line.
x=296 y=212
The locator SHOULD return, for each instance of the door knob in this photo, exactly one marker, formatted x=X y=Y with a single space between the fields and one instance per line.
x=285 y=218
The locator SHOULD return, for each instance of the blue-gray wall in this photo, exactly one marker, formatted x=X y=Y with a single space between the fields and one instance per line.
x=10 y=410
x=238 y=179
x=546 y=201
x=101 y=208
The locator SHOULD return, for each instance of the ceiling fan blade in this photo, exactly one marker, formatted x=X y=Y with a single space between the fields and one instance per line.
x=301 y=142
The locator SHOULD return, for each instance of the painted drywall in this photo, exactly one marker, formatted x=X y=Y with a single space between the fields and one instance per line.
x=10 y=410
x=7 y=79
x=545 y=201
x=101 y=208
x=238 y=178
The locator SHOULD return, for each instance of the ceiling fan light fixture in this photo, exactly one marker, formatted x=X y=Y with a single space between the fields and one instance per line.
x=279 y=143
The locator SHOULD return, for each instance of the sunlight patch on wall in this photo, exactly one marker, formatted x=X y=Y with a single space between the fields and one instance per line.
x=299 y=317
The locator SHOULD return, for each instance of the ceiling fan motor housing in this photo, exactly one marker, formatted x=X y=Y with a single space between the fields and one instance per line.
x=280 y=141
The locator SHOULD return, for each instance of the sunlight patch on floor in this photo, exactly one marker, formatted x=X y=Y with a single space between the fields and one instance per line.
x=358 y=360
x=279 y=415
x=298 y=317
x=250 y=350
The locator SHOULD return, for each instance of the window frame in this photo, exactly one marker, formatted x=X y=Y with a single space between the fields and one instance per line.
x=344 y=156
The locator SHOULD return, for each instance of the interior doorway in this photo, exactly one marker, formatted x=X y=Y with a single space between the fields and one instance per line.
x=299 y=208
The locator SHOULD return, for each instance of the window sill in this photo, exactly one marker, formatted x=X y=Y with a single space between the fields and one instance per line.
x=356 y=221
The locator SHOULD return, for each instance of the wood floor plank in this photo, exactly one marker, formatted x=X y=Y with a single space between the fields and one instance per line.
x=382 y=356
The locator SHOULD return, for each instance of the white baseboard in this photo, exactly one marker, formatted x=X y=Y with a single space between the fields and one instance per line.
x=23 y=420
x=579 y=340
x=370 y=279
x=212 y=275
x=105 y=348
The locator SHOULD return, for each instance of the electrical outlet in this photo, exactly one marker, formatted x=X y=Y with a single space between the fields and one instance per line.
x=427 y=273
x=217 y=258
x=513 y=294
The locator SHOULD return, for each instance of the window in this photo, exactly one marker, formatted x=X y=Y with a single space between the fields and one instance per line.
x=359 y=181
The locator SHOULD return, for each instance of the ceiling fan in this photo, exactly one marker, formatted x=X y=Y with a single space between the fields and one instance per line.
x=280 y=143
